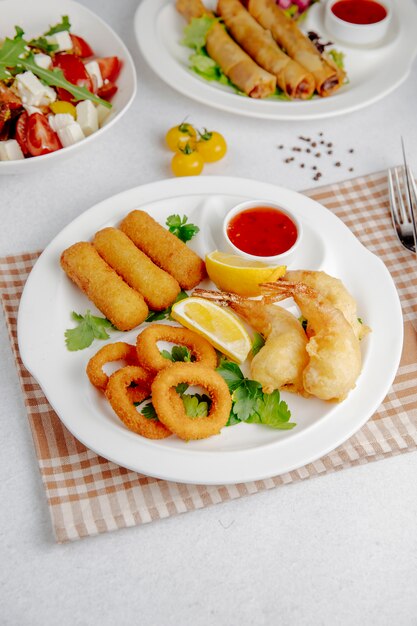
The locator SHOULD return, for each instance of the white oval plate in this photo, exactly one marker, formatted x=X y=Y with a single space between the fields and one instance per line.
x=34 y=18
x=373 y=72
x=240 y=453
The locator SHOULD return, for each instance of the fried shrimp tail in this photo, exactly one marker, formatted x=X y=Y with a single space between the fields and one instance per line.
x=170 y=408
x=335 y=291
x=158 y=288
x=121 y=304
x=334 y=352
x=279 y=364
x=151 y=358
x=166 y=251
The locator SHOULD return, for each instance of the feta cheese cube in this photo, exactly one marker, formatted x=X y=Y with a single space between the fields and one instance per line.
x=87 y=117
x=62 y=40
x=60 y=120
x=93 y=69
x=10 y=151
x=102 y=113
x=30 y=109
x=43 y=60
x=70 y=134
x=32 y=91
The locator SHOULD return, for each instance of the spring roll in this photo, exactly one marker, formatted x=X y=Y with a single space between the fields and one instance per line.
x=292 y=78
x=286 y=33
x=235 y=63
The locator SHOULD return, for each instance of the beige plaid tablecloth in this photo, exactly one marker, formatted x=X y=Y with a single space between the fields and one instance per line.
x=88 y=494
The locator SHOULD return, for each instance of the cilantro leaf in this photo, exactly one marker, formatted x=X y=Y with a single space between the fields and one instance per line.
x=178 y=226
x=181 y=388
x=257 y=343
x=195 y=33
x=10 y=52
x=64 y=24
x=89 y=327
x=231 y=373
x=245 y=399
x=250 y=404
x=178 y=353
x=196 y=405
x=155 y=316
x=273 y=412
x=149 y=412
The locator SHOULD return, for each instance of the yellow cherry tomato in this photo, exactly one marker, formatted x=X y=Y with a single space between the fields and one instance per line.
x=187 y=162
x=178 y=136
x=63 y=107
x=212 y=146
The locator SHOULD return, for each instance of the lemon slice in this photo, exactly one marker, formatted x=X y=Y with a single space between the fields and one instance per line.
x=230 y=272
x=219 y=326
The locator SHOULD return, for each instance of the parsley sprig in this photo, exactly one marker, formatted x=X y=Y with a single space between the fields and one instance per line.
x=179 y=227
x=250 y=404
x=156 y=316
x=89 y=327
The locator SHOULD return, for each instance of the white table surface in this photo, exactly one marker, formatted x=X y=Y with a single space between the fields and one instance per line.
x=340 y=549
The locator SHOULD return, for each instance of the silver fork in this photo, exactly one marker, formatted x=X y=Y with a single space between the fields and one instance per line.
x=403 y=199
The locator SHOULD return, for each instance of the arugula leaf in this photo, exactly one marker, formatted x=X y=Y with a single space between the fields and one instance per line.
x=10 y=53
x=258 y=342
x=89 y=327
x=196 y=405
x=155 y=316
x=178 y=353
x=65 y=24
x=231 y=373
x=55 y=78
x=178 y=226
x=41 y=43
x=195 y=33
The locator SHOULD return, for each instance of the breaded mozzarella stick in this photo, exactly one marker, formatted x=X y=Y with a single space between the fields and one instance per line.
x=122 y=305
x=158 y=288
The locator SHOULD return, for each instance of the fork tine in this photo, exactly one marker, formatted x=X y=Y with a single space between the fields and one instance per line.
x=392 y=201
x=401 y=206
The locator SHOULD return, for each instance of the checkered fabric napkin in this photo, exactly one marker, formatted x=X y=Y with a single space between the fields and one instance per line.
x=88 y=494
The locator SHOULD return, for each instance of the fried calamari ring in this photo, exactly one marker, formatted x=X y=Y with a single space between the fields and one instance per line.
x=118 y=351
x=121 y=402
x=150 y=357
x=170 y=408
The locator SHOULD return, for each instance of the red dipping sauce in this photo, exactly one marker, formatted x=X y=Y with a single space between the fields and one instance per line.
x=359 y=11
x=262 y=231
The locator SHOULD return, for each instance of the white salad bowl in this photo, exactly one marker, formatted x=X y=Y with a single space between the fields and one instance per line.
x=35 y=18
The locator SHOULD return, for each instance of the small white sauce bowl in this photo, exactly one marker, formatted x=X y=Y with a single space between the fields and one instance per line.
x=357 y=34
x=278 y=259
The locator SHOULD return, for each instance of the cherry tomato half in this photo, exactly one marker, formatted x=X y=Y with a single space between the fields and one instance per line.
x=178 y=136
x=41 y=139
x=75 y=73
x=21 y=132
x=107 y=91
x=187 y=163
x=80 y=47
x=109 y=67
x=212 y=146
